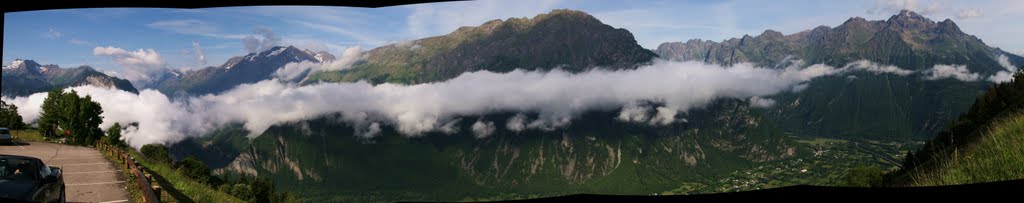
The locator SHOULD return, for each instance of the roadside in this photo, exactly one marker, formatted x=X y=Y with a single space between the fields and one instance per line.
x=88 y=176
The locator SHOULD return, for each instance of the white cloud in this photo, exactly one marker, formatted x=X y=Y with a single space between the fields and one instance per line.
x=309 y=43
x=193 y=27
x=969 y=13
x=517 y=123
x=757 y=101
x=894 y=6
x=161 y=121
x=358 y=36
x=52 y=34
x=451 y=127
x=959 y=72
x=1007 y=74
x=483 y=129
x=29 y=107
x=292 y=71
x=634 y=112
x=140 y=65
x=665 y=116
x=200 y=55
x=76 y=41
x=262 y=39
x=1019 y=52
x=865 y=65
x=434 y=107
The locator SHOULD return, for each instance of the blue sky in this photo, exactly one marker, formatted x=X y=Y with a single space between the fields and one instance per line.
x=174 y=38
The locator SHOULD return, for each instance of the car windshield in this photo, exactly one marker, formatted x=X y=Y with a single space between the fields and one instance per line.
x=17 y=169
x=5 y=131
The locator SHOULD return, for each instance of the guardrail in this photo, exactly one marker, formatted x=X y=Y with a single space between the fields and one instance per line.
x=147 y=184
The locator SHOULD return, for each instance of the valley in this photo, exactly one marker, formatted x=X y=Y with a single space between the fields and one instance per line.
x=552 y=103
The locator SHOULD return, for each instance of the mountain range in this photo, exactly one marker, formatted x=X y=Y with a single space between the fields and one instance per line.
x=24 y=77
x=728 y=135
x=324 y=160
x=251 y=68
x=880 y=106
x=571 y=40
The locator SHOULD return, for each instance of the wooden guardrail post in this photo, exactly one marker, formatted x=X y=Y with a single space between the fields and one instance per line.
x=150 y=192
x=158 y=191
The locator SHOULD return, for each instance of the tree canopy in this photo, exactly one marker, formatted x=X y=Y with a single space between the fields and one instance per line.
x=9 y=117
x=65 y=114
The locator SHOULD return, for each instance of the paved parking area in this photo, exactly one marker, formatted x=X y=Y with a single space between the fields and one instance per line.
x=87 y=175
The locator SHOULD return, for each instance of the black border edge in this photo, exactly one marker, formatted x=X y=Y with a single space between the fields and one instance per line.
x=34 y=5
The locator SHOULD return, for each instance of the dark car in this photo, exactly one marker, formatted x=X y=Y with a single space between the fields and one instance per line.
x=5 y=136
x=25 y=178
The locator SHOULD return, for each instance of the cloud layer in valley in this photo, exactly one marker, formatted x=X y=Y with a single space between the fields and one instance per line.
x=556 y=96
x=656 y=94
x=1008 y=69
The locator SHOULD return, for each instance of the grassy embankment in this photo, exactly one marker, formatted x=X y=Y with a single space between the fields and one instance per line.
x=997 y=156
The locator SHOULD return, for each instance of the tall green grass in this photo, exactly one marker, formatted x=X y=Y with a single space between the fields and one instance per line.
x=28 y=136
x=997 y=156
x=178 y=187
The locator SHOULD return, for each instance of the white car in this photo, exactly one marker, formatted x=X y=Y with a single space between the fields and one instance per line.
x=5 y=136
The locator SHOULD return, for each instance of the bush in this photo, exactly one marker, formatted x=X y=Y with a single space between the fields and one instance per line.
x=156 y=152
x=193 y=168
x=865 y=176
x=255 y=189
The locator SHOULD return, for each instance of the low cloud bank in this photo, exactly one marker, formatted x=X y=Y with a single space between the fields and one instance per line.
x=654 y=95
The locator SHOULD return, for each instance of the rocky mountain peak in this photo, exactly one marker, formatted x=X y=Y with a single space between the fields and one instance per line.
x=771 y=34
x=910 y=20
x=23 y=65
x=948 y=26
x=320 y=56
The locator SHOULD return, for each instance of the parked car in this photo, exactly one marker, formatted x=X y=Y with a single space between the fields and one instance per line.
x=5 y=136
x=25 y=178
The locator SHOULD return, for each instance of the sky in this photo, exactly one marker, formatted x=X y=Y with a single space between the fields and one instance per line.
x=122 y=40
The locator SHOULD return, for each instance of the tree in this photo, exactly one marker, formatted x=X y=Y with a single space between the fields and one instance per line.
x=67 y=114
x=114 y=136
x=156 y=152
x=48 y=118
x=193 y=168
x=9 y=117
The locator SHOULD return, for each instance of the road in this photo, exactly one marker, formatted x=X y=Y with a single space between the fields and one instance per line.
x=87 y=175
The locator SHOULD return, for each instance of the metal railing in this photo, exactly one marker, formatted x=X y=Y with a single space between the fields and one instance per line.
x=151 y=191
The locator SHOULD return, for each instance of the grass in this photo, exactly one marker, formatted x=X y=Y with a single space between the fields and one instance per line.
x=996 y=156
x=179 y=188
x=29 y=136
x=130 y=181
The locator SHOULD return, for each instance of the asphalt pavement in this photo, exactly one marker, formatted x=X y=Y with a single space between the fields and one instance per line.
x=87 y=175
